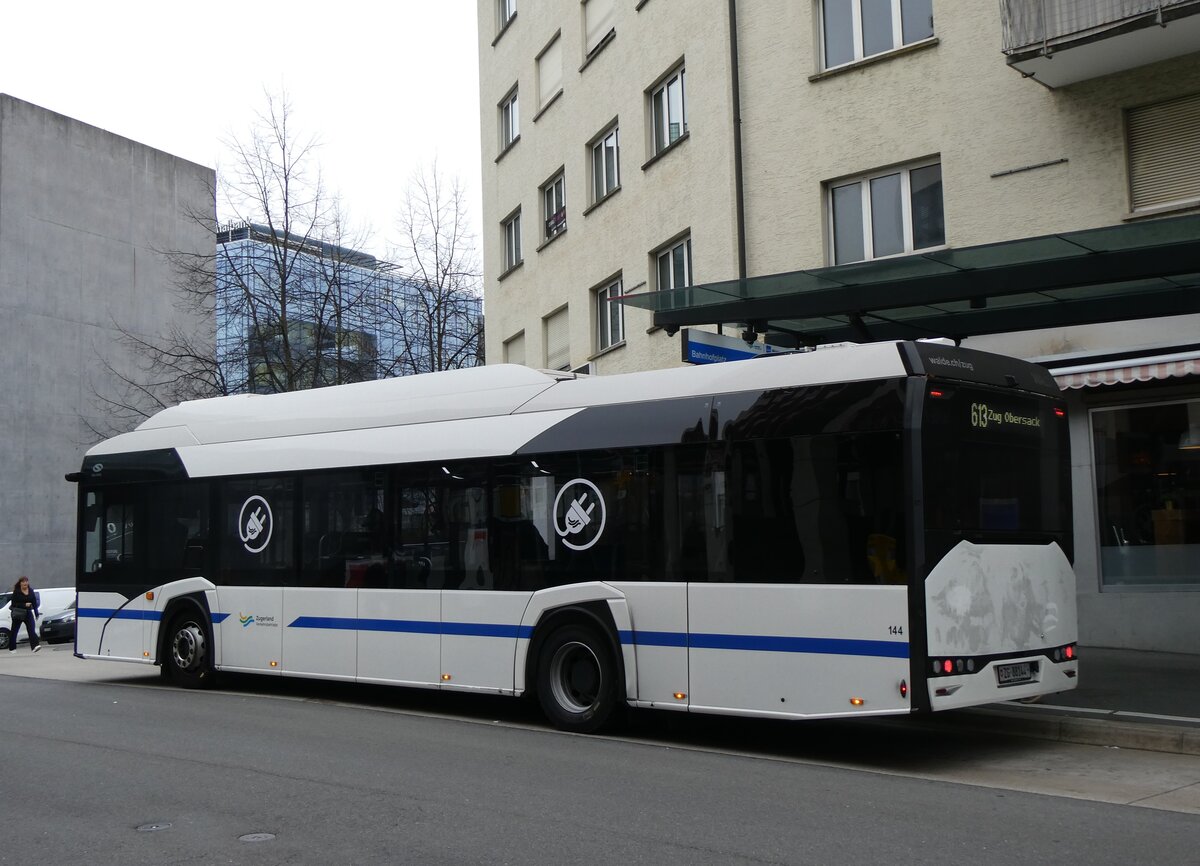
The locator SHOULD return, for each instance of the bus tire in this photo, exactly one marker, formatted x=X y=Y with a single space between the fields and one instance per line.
x=577 y=678
x=188 y=656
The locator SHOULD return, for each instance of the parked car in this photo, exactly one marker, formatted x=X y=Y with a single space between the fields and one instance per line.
x=58 y=627
x=51 y=601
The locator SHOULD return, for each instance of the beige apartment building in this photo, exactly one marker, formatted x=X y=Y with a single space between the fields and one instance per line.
x=1021 y=176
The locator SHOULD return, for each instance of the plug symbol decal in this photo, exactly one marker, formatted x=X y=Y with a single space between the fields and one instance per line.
x=579 y=514
x=255 y=524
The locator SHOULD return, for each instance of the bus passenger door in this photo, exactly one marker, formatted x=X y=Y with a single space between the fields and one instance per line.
x=113 y=614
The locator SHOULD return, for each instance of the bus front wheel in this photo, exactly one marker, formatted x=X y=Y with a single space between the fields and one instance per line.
x=576 y=681
x=187 y=657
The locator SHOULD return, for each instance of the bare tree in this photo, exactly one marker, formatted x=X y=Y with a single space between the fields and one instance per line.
x=288 y=299
x=440 y=317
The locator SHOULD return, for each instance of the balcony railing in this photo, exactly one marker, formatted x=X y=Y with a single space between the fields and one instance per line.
x=1095 y=37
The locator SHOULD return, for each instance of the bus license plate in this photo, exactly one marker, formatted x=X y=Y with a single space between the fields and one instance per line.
x=1015 y=674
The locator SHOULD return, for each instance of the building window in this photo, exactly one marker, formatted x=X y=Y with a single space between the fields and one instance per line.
x=887 y=213
x=1164 y=153
x=514 y=349
x=668 y=113
x=854 y=29
x=512 y=241
x=510 y=122
x=606 y=164
x=549 y=72
x=554 y=205
x=505 y=10
x=610 y=316
x=675 y=265
x=558 y=341
x=597 y=22
x=1148 y=494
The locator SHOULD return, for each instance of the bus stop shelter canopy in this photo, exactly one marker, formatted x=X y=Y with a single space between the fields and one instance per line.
x=1136 y=271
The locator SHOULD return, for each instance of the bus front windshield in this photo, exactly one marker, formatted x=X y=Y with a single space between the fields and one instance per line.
x=996 y=468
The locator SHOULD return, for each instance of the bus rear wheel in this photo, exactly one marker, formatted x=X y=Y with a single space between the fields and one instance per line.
x=576 y=682
x=188 y=660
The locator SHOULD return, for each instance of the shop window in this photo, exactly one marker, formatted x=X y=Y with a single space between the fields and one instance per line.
x=1148 y=494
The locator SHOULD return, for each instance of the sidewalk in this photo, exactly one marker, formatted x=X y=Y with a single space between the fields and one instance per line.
x=1125 y=699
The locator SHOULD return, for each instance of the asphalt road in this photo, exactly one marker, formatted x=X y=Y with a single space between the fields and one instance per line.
x=121 y=768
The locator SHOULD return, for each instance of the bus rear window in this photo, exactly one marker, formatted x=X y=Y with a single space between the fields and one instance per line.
x=995 y=464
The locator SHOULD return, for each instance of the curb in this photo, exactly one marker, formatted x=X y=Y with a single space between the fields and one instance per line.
x=1175 y=739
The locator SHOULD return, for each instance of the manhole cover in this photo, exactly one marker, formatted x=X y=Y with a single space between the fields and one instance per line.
x=150 y=828
x=256 y=837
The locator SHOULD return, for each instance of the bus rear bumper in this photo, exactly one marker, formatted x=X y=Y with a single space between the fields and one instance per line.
x=983 y=687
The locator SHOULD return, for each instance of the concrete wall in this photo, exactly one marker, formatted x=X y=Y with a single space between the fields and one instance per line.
x=83 y=216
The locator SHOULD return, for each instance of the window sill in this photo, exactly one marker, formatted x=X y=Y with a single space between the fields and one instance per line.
x=616 y=189
x=558 y=234
x=553 y=99
x=911 y=48
x=504 y=29
x=1162 y=210
x=670 y=147
x=507 y=148
x=620 y=344
x=600 y=46
x=505 y=275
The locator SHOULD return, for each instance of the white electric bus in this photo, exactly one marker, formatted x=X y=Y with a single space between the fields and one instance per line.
x=861 y=530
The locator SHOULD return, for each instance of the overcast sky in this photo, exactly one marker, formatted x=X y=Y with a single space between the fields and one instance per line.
x=386 y=86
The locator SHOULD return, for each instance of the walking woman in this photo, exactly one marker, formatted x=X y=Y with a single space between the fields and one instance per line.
x=24 y=612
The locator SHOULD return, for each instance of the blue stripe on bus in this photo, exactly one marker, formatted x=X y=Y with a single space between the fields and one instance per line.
x=817 y=645
x=769 y=643
x=405 y=626
x=654 y=638
x=129 y=613
x=123 y=613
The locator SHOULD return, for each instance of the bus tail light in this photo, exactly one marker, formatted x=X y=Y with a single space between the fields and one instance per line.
x=903 y=689
x=1066 y=653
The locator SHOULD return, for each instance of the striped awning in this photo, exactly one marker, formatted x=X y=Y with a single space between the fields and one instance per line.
x=1128 y=370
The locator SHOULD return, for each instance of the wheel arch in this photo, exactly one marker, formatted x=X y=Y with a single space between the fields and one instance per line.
x=197 y=602
x=597 y=614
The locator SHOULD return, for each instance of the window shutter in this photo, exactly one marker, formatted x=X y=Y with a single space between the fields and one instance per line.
x=550 y=71
x=598 y=15
x=1164 y=152
x=558 y=341
x=514 y=350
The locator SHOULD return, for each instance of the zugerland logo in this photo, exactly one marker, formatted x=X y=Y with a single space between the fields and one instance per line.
x=258 y=620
